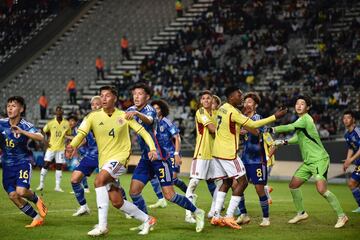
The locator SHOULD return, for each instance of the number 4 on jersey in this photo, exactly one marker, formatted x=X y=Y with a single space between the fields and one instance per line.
x=112 y=133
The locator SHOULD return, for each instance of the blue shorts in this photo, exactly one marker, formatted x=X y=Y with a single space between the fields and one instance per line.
x=174 y=166
x=17 y=176
x=356 y=174
x=146 y=170
x=87 y=165
x=256 y=173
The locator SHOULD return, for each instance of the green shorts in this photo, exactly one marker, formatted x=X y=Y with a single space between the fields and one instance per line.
x=319 y=170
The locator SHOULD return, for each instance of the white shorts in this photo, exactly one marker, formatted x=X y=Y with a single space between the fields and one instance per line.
x=228 y=168
x=58 y=155
x=201 y=169
x=114 y=168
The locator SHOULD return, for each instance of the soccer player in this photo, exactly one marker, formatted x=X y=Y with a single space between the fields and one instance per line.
x=254 y=159
x=201 y=168
x=88 y=163
x=168 y=136
x=15 y=135
x=227 y=164
x=111 y=131
x=58 y=129
x=316 y=161
x=352 y=137
x=145 y=114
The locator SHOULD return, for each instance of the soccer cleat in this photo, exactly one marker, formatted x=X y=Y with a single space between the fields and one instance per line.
x=199 y=216
x=356 y=210
x=270 y=201
x=210 y=214
x=98 y=231
x=127 y=216
x=140 y=227
x=265 y=222
x=341 y=221
x=40 y=188
x=83 y=210
x=58 y=189
x=230 y=222
x=243 y=219
x=36 y=223
x=217 y=222
x=86 y=190
x=148 y=226
x=298 y=218
x=189 y=219
x=41 y=207
x=270 y=189
x=161 y=203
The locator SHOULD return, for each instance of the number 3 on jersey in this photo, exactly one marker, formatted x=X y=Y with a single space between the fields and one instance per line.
x=112 y=133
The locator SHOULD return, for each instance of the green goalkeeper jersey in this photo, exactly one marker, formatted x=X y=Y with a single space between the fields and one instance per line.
x=307 y=137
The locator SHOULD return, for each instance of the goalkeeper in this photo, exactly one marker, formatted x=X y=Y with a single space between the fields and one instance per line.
x=316 y=161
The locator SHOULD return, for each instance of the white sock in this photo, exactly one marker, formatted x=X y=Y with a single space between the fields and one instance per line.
x=58 y=175
x=218 y=184
x=220 y=198
x=266 y=188
x=190 y=192
x=102 y=201
x=234 y=203
x=43 y=173
x=134 y=211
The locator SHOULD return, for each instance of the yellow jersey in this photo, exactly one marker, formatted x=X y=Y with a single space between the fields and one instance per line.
x=268 y=143
x=112 y=135
x=204 y=139
x=57 y=133
x=229 y=122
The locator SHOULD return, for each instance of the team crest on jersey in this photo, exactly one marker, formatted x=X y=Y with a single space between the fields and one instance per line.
x=17 y=135
x=161 y=128
x=121 y=121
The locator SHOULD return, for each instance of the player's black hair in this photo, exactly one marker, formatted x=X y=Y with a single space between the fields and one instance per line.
x=230 y=90
x=206 y=92
x=73 y=117
x=20 y=100
x=164 y=107
x=351 y=113
x=306 y=98
x=59 y=107
x=109 y=88
x=144 y=86
x=254 y=96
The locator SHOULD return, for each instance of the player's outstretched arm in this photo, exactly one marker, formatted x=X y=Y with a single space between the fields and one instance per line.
x=146 y=119
x=177 y=149
x=34 y=136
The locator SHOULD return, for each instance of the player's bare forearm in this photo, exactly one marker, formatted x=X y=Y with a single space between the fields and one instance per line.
x=177 y=142
x=252 y=131
x=211 y=128
x=256 y=124
x=34 y=136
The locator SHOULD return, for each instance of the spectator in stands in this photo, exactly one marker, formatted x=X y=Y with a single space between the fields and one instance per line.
x=124 y=43
x=179 y=8
x=99 y=62
x=71 y=89
x=43 y=102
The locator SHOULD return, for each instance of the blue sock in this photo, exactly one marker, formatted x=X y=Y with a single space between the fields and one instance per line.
x=28 y=210
x=180 y=184
x=356 y=194
x=34 y=198
x=139 y=201
x=264 y=206
x=242 y=207
x=79 y=193
x=211 y=186
x=123 y=193
x=84 y=182
x=157 y=188
x=183 y=202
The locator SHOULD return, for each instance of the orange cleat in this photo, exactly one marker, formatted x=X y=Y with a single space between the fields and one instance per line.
x=230 y=222
x=217 y=221
x=36 y=223
x=270 y=201
x=270 y=189
x=41 y=208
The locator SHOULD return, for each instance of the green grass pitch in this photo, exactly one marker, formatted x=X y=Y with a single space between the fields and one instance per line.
x=60 y=224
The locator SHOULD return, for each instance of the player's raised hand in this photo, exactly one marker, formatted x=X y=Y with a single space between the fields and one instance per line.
x=130 y=115
x=152 y=155
x=69 y=151
x=281 y=112
x=279 y=142
x=178 y=160
x=16 y=129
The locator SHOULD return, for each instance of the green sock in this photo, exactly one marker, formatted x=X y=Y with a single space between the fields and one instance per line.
x=334 y=203
x=297 y=199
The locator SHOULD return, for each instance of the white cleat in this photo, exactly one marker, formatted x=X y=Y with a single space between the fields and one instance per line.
x=189 y=219
x=138 y=228
x=210 y=214
x=356 y=210
x=243 y=219
x=128 y=216
x=86 y=190
x=298 y=218
x=265 y=222
x=341 y=221
x=58 y=189
x=40 y=188
x=98 y=231
x=199 y=215
x=148 y=226
x=161 y=203
x=83 y=210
